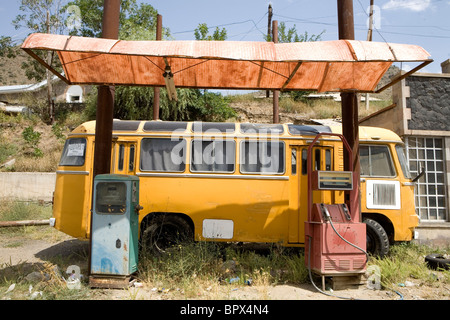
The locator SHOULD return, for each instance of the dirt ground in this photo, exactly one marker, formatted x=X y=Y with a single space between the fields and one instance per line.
x=30 y=253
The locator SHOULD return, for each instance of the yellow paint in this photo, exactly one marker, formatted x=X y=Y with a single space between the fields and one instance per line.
x=263 y=207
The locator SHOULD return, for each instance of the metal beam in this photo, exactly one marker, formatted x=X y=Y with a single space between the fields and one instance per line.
x=349 y=108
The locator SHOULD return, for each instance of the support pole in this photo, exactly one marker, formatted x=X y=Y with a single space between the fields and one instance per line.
x=156 y=89
x=276 y=93
x=105 y=99
x=269 y=33
x=105 y=108
x=369 y=38
x=349 y=108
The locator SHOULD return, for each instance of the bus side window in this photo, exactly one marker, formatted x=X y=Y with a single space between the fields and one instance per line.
x=131 y=160
x=121 y=157
x=305 y=161
x=262 y=157
x=294 y=161
x=163 y=154
x=317 y=159
x=213 y=156
x=328 y=160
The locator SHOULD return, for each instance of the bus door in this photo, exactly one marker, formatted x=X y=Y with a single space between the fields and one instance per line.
x=323 y=159
x=124 y=157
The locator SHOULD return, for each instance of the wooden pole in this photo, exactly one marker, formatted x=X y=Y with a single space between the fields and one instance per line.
x=105 y=99
x=349 y=108
x=156 y=89
x=269 y=33
x=105 y=109
x=276 y=93
x=49 y=77
x=369 y=38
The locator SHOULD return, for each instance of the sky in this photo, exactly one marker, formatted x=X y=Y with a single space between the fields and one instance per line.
x=421 y=22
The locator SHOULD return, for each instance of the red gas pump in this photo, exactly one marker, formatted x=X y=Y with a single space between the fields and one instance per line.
x=335 y=238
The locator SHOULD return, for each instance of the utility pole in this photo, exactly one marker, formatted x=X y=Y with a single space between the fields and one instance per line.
x=349 y=109
x=49 y=77
x=105 y=100
x=156 y=89
x=276 y=93
x=369 y=38
x=269 y=33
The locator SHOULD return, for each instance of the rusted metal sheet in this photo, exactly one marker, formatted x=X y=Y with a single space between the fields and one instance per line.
x=341 y=65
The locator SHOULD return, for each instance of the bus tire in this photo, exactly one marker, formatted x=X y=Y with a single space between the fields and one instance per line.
x=437 y=261
x=377 y=238
x=165 y=231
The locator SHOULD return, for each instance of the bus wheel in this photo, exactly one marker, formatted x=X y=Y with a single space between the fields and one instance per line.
x=377 y=238
x=165 y=231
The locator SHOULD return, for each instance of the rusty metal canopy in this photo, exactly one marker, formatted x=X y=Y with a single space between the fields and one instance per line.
x=339 y=66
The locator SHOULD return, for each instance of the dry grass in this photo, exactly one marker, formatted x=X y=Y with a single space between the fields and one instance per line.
x=50 y=145
x=307 y=109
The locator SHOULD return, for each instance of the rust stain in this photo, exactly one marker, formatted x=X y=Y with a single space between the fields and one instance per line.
x=339 y=65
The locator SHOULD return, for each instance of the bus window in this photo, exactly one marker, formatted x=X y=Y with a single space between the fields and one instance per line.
x=163 y=154
x=262 y=157
x=328 y=160
x=403 y=162
x=121 y=157
x=131 y=159
x=305 y=161
x=316 y=162
x=213 y=156
x=74 y=152
x=294 y=162
x=376 y=161
x=317 y=159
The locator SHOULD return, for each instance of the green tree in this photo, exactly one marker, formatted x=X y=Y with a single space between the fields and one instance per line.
x=7 y=47
x=286 y=35
x=44 y=16
x=137 y=21
x=202 y=33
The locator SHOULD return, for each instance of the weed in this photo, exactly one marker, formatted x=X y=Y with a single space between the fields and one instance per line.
x=32 y=139
x=406 y=261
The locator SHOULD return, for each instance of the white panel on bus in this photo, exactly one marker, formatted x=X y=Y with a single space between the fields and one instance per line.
x=218 y=229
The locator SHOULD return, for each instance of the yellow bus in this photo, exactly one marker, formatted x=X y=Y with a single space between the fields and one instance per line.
x=235 y=182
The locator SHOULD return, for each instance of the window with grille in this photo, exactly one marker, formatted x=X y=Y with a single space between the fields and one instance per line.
x=430 y=191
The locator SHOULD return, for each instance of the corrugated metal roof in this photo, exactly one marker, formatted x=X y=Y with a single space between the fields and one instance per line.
x=340 y=65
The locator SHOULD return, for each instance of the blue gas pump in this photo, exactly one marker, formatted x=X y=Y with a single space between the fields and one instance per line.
x=115 y=227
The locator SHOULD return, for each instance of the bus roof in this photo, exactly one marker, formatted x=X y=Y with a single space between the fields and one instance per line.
x=127 y=127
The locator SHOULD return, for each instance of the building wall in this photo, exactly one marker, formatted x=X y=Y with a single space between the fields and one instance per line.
x=429 y=102
x=420 y=115
x=27 y=186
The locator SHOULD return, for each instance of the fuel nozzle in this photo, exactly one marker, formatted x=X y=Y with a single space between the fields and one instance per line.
x=326 y=213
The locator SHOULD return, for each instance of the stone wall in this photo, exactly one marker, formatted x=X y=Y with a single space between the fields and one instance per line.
x=429 y=102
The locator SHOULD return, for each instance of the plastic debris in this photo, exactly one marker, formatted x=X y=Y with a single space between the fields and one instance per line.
x=34 y=295
x=233 y=280
x=11 y=288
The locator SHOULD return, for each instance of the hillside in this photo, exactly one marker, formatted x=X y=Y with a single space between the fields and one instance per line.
x=11 y=70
